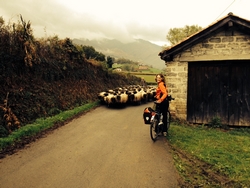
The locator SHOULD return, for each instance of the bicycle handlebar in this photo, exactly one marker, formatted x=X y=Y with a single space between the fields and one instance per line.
x=169 y=98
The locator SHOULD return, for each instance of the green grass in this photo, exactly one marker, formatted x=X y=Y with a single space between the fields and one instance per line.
x=227 y=151
x=42 y=124
x=147 y=78
x=147 y=75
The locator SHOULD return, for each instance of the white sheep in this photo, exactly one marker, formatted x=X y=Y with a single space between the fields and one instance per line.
x=109 y=99
x=136 y=99
x=101 y=96
x=151 y=93
x=122 y=98
x=144 y=96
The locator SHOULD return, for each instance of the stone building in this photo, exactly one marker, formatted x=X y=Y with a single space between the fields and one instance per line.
x=209 y=73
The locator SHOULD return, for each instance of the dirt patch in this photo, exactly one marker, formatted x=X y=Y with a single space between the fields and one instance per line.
x=196 y=173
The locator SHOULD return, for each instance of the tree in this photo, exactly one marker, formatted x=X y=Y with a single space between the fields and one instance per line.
x=175 y=35
x=100 y=56
x=89 y=52
x=110 y=61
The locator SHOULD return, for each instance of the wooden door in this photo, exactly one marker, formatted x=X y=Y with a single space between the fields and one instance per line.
x=239 y=100
x=219 y=89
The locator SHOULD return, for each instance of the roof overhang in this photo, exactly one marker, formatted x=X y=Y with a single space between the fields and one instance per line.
x=226 y=23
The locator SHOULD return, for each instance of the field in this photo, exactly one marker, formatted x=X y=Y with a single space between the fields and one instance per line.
x=148 y=75
x=149 y=78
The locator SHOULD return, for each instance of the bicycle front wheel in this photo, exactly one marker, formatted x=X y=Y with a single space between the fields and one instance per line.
x=168 y=120
x=154 y=129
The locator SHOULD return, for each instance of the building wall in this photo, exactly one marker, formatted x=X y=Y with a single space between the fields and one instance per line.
x=223 y=46
x=176 y=79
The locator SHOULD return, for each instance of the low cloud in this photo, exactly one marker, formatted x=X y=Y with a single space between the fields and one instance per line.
x=124 y=21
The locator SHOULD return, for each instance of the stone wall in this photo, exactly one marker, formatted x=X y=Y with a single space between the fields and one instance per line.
x=223 y=46
x=176 y=79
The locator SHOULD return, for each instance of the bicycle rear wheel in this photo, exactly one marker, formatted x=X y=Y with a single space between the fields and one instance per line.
x=168 y=119
x=154 y=129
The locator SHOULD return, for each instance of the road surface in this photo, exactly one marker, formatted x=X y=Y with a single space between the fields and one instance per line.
x=106 y=147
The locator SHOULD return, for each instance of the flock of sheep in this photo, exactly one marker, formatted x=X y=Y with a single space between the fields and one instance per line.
x=133 y=94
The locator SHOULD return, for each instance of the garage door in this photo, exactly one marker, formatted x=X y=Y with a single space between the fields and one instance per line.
x=219 y=89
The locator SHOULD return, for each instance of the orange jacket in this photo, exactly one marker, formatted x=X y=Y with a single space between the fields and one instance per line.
x=161 y=92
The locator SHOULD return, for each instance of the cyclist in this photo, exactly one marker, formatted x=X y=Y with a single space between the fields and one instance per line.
x=161 y=97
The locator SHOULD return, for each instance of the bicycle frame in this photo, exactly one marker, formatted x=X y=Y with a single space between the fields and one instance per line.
x=156 y=127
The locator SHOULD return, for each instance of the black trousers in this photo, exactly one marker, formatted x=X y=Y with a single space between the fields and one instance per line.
x=164 y=108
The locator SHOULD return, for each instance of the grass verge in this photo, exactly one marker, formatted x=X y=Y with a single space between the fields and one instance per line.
x=43 y=124
x=222 y=156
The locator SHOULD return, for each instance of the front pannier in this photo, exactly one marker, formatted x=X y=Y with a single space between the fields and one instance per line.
x=147 y=114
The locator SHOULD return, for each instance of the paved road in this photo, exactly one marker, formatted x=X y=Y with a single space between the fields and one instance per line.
x=107 y=148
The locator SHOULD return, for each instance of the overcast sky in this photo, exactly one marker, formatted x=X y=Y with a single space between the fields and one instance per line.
x=123 y=20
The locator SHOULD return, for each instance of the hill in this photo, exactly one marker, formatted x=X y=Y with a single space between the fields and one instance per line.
x=40 y=78
x=138 y=51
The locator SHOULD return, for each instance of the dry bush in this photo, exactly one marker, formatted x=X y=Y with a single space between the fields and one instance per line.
x=11 y=122
x=47 y=75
